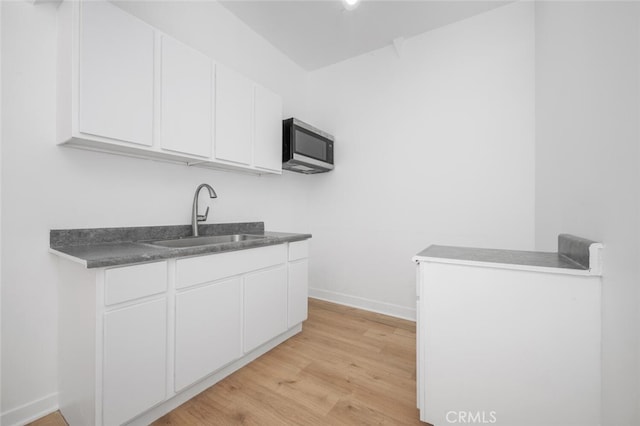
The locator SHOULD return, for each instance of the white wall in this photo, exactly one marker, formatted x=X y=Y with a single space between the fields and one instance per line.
x=45 y=186
x=435 y=147
x=588 y=166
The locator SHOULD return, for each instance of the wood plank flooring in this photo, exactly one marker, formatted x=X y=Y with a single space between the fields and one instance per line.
x=346 y=367
x=53 y=419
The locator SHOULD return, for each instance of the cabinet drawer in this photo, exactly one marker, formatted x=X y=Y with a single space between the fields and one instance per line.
x=202 y=269
x=133 y=282
x=299 y=250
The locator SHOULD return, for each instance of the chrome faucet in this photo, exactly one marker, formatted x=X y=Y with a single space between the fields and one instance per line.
x=195 y=217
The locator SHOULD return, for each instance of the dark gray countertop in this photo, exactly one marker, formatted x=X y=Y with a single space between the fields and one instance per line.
x=575 y=255
x=104 y=247
x=509 y=257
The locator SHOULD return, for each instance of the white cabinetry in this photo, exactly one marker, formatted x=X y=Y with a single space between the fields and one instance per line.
x=113 y=342
x=490 y=337
x=267 y=151
x=137 y=341
x=125 y=87
x=248 y=122
x=234 y=116
x=298 y=291
x=187 y=102
x=134 y=282
x=135 y=348
x=298 y=282
x=105 y=87
x=265 y=306
x=208 y=330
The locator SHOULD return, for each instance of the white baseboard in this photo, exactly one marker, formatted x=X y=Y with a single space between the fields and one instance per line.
x=31 y=411
x=366 y=304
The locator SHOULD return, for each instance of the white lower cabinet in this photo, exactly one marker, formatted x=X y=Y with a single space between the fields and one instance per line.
x=208 y=330
x=136 y=340
x=297 y=282
x=135 y=362
x=298 y=290
x=265 y=306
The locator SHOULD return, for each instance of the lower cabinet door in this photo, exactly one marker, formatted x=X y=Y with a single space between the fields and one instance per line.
x=135 y=354
x=208 y=330
x=298 y=291
x=265 y=306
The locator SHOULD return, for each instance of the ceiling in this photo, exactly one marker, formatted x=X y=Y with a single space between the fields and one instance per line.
x=315 y=34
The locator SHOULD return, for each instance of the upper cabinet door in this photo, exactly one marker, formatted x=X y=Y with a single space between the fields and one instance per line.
x=267 y=148
x=187 y=104
x=116 y=74
x=234 y=116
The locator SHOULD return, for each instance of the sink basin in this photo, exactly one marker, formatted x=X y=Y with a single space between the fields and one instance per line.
x=206 y=240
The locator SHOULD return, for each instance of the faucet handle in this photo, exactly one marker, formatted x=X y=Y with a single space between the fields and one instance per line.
x=203 y=217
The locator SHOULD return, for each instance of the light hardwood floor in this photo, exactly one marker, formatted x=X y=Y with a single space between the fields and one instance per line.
x=346 y=367
x=54 y=419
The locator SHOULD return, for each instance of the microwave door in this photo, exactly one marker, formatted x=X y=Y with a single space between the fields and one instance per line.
x=310 y=146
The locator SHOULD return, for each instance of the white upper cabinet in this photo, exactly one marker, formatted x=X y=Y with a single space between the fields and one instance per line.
x=267 y=142
x=187 y=104
x=234 y=116
x=116 y=74
x=127 y=88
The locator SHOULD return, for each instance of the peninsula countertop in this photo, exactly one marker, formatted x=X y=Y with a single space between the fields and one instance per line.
x=576 y=256
x=107 y=247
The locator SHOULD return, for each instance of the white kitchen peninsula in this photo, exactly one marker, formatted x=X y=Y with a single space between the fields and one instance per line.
x=509 y=337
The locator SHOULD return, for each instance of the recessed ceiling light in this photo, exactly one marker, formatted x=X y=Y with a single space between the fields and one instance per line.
x=350 y=4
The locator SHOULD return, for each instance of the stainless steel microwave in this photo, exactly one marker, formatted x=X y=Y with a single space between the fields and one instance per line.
x=305 y=149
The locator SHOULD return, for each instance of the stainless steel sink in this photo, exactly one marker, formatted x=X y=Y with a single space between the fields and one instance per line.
x=205 y=240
